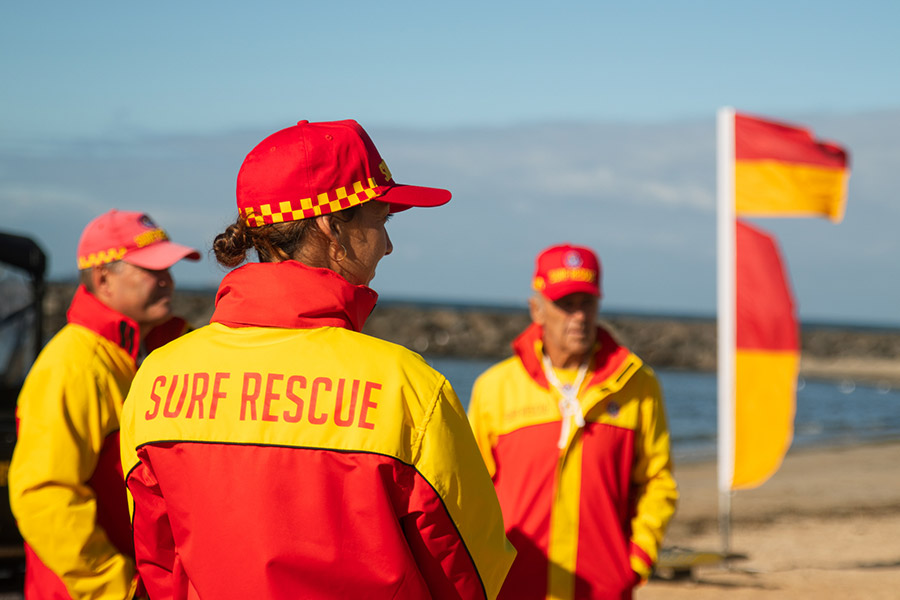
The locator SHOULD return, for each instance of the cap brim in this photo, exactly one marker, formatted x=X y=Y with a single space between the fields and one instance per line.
x=161 y=255
x=402 y=197
x=561 y=290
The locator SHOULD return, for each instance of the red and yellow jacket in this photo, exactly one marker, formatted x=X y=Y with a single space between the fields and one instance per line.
x=280 y=453
x=65 y=479
x=587 y=520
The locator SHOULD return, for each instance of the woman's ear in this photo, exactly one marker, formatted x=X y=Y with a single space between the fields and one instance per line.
x=328 y=227
x=335 y=250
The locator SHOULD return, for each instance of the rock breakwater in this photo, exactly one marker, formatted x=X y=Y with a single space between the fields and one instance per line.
x=862 y=355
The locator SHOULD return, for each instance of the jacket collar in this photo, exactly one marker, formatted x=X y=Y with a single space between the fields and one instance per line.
x=87 y=311
x=292 y=295
x=609 y=359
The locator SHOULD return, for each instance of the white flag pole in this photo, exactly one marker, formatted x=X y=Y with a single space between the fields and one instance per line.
x=726 y=316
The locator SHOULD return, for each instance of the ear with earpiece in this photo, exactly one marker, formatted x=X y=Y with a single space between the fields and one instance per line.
x=329 y=227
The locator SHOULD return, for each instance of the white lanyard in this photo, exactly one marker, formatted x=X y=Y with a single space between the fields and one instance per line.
x=569 y=407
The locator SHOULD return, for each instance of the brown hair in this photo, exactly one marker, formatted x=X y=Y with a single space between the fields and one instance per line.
x=273 y=243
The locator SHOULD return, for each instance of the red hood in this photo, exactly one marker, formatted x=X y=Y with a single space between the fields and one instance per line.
x=292 y=295
x=86 y=310
x=608 y=355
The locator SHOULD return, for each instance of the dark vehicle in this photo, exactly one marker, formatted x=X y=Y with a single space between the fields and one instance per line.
x=22 y=266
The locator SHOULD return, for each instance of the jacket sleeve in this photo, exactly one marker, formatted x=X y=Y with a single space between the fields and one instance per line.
x=63 y=423
x=480 y=423
x=472 y=551
x=654 y=488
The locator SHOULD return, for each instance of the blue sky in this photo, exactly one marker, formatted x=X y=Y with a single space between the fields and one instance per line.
x=116 y=67
x=588 y=122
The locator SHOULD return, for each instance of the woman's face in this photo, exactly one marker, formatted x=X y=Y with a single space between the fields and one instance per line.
x=366 y=241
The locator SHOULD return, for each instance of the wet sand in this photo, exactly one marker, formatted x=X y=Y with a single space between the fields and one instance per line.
x=826 y=525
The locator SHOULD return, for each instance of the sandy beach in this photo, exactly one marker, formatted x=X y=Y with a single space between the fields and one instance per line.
x=826 y=525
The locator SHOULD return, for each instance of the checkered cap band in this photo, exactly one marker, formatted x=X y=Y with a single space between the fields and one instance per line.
x=322 y=204
x=95 y=259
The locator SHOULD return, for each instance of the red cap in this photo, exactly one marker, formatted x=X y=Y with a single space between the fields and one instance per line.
x=132 y=237
x=566 y=269
x=313 y=169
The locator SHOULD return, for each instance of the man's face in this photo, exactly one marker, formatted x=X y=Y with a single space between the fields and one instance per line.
x=569 y=324
x=138 y=293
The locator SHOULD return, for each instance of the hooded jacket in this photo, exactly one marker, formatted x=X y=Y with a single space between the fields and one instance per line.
x=587 y=520
x=280 y=453
x=66 y=487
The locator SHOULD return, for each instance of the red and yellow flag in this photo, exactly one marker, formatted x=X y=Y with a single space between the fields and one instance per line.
x=782 y=171
x=766 y=358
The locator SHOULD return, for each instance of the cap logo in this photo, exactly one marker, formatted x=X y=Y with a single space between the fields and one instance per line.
x=572 y=260
x=147 y=222
x=385 y=171
x=566 y=274
x=150 y=237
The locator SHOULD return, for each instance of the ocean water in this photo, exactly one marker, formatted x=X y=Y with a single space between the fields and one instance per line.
x=828 y=414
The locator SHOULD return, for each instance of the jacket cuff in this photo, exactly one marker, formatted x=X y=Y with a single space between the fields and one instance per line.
x=641 y=562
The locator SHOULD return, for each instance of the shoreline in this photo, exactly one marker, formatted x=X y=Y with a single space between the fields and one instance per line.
x=707 y=456
x=871 y=371
x=823 y=526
